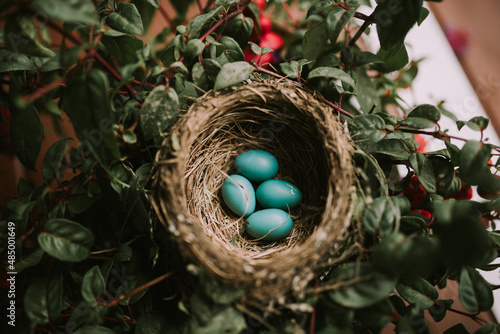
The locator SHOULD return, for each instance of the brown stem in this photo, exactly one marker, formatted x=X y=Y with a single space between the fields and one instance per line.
x=129 y=294
x=227 y=17
x=200 y=7
x=43 y=90
x=334 y=106
x=368 y=20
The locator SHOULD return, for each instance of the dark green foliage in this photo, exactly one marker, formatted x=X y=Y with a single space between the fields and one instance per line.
x=91 y=256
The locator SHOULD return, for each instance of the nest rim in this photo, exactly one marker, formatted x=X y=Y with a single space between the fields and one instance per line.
x=272 y=270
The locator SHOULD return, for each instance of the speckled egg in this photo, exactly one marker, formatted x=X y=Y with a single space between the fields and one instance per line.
x=278 y=194
x=256 y=165
x=240 y=196
x=269 y=224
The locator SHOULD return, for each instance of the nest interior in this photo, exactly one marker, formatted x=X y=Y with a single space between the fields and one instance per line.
x=313 y=152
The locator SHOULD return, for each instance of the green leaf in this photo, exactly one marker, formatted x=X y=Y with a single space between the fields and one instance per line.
x=78 y=11
x=336 y=20
x=380 y=216
x=435 y=174
x=487 y=329
x=193 y=48
x=438 y=311
x=159 y=111
x=394 y=19
x=332 y=73
x=396 y=148
x=26 y=134
x=232 y=74
x=229 y=320
x=478 y=123
x=393 y=60
x=422 y=117
x=29 y=260
x=21 y=37
x=198 y=23
x=417 y=291
x=43 y=300
x=232 y=49
x=457 y=329
x=130 y=284
x=94 y=330
x=154 y=3
x=473 y=291
x=473 y=161
x=87 y=102
x=123 y=47
x=366 y=92
x=52 y=164
x=181 y=6
x=66 y=240
x=367 y=128
x=424 y=12
x=314 y=38
x=361 y=286
x=364 y=57
x=126 y=19
x=93 y=285
x=13 y=61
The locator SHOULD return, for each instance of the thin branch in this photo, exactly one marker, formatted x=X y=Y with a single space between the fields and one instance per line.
x=230 y=15
x=334 y=106
x=129 y=294
x=368 y=20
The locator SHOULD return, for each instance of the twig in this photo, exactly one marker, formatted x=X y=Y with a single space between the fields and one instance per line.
x=129 y=294
x=230 y=15
x=368 y=20
x=43 y=90
x=334 y=106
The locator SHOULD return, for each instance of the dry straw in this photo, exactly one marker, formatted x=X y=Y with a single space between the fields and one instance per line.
x=314 y=153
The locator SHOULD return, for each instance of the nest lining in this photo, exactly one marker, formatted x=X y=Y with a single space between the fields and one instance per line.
x=313 y=153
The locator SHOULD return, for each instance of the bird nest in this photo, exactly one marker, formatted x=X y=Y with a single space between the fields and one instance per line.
x=314 y=153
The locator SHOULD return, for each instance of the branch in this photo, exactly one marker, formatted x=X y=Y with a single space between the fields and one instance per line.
x=368 y=20
x=239 y=9
x=334 y=106
x=129 y=294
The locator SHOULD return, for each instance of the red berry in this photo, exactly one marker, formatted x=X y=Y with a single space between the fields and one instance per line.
x=421 y=143
x=265 y=24
x=415 y=193
x=260 y=3
x=465 y=193
x=425 y=213
x=271 y=40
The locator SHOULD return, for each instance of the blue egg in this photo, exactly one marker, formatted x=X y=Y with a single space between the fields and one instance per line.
x=240 y=199
x=278 y=194
x=269 y=224
x=256 y=165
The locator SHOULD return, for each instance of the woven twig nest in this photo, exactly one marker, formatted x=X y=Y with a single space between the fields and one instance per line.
x=313 y=152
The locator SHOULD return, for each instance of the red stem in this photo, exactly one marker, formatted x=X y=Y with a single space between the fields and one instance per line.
x=43 y=90
x=334 y=106
x=129 y=294
x=96 y=56
x=200 y=7
x=229 y=16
